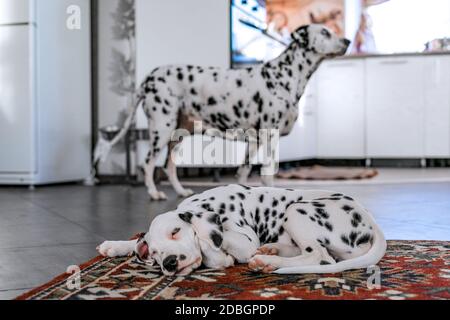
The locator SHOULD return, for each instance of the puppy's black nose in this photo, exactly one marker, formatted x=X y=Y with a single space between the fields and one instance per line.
x=346 y=42
x=170 y=263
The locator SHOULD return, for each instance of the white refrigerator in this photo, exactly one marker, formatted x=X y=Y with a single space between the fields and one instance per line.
x=45 y=91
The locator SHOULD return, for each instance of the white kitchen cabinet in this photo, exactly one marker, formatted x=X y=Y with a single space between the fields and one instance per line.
x=302 y=142
x=395 y=107
x=45 y=96
x=341 y=112
x=437 y=106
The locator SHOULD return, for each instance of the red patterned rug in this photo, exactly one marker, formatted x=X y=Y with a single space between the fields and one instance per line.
x=410 y=270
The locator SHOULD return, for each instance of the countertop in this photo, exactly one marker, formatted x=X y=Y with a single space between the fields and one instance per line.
x=394 y=55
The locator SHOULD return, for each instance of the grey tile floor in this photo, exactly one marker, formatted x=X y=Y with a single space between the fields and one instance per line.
x=42 y=232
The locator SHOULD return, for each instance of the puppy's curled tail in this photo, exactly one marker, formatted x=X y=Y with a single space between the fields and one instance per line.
x=371 y=258
x=104 y=147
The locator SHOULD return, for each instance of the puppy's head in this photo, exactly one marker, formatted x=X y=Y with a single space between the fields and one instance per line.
x=177 y=241
x=321 y=40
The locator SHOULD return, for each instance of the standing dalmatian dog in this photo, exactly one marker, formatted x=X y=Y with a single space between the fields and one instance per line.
x=273 y=230
x=265 y=96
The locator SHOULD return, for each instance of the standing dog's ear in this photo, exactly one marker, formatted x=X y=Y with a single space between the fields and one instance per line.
x=207 y=226
x=301 y=36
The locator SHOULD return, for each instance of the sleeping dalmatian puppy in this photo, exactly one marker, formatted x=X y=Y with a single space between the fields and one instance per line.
x=272 y=230
x=264 y=96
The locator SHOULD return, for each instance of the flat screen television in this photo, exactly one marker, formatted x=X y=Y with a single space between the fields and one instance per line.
x=261 y=29
x=251 y=43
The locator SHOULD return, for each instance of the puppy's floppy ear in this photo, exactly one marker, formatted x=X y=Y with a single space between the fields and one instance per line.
x=186 y=217
x=301 y=36
x=142 y=250
x=207 y=226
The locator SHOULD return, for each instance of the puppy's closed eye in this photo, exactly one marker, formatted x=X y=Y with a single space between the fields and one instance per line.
x=175 y=232
x=326 y=33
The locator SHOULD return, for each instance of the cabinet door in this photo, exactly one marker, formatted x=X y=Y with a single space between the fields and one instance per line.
x=341 y=125
x=437 y=107
x=395 y=107
x=301 y=143
x=15 y=101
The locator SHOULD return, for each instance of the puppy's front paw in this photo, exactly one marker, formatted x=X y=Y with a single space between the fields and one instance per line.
x=266 y=264
x=113 y=249
x=229 y=262
x=268 y=250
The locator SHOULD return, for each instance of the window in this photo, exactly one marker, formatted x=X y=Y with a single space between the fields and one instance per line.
x=407 y=25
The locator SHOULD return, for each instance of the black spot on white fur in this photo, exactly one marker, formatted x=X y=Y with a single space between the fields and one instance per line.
x=215 y=219
x=216 y=238
x=186 y=217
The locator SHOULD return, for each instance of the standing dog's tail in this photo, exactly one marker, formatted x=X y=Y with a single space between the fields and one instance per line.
x=371 y=258
x=104 y=147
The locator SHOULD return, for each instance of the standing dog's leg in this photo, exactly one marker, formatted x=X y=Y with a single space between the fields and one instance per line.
x=252 y=147
x=243 y=173
x=268 y=166
x=150 y=167
x=268 y=179
x=160 y=134
x=171 y=171
x=246 y=168
x=270 y=144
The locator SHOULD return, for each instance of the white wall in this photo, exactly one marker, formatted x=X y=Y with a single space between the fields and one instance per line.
x=172 y=32
x=187 y=32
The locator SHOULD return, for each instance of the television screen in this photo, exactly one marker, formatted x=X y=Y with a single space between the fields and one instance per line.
x=252 y=42
x=261 y=29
